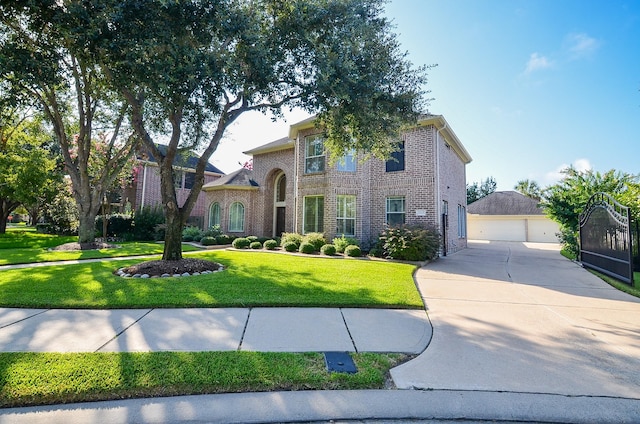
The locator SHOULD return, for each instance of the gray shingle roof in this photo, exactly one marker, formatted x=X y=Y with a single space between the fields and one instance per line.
x=240 y=179
x=505 y=203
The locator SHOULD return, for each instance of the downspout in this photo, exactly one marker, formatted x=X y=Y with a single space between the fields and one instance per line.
x=437 y=185
x=295 y=184
x=144 y=184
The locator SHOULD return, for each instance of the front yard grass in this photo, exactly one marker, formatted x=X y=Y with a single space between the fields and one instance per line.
x=250 y=279
x=52 y=378
x=23 y=245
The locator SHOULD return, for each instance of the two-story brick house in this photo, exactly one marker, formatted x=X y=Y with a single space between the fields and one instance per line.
x=294 y=188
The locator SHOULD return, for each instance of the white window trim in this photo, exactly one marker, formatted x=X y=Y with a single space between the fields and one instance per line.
x=304 y=215
x=231 y=212
x=307 y=140
x=346 y=218
x=403 y=212
x=211 y=224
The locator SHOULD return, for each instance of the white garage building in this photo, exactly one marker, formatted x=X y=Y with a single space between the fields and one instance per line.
x=509 y=216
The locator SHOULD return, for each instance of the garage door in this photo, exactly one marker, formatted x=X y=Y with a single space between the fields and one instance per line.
x=543 y=231
x=496 y=229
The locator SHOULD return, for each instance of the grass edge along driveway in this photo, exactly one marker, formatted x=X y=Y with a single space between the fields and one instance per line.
x=250 y=279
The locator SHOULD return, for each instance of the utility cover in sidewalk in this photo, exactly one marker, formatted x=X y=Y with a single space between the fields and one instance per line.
x=340 y=362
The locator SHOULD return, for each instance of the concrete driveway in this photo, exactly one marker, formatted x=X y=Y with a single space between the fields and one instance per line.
x=518 y=317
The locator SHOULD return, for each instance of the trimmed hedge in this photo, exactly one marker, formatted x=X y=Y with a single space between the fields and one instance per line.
x=307 y=248
x=353 y=251
x=255 y=245
x=270 y=244
x=241 y=243
x=328 y=249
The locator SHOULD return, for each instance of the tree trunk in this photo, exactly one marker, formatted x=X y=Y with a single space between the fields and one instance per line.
x=173 y=235
x=6 y=207
x=87 y=228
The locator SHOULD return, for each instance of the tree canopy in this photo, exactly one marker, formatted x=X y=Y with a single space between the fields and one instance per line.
x=43 y=60
x=189 y=69
x=529 y=188
x=477 y=191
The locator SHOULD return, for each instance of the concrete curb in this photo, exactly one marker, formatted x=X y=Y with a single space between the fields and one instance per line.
x=324 y=406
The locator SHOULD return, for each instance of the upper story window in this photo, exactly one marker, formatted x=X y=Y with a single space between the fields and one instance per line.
x=178 y=178
x=347 y=163
x=396 y=162
x=189 y=180
x=395 y=210
x=313 y=154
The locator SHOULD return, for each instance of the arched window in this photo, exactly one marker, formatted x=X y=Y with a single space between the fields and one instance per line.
x=236 y=218
x=214 y=214
x=281 y=188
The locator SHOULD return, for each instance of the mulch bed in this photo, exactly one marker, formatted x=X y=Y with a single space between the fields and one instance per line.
x=84 y=246
x=189 y=265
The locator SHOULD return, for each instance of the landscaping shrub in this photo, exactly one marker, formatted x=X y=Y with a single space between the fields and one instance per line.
x=328 y=249
x=290 y=246
x=307 y=248
x=223 y=239
x=118 y=225
x=191 y=233
x=241 y=243
x=208 y=241
x=213 y=231
x=270 y=244
x=252 y=238
x=411 y=243
x=317 y=240
x=44 y=227
x=147 y=223
x=255 y=245
x=353 y=251
x=291 y=238
x=342 y=242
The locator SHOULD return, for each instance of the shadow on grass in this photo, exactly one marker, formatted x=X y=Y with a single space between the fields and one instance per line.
x=288 y=281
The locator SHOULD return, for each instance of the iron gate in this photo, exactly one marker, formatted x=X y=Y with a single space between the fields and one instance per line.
x=605 y=237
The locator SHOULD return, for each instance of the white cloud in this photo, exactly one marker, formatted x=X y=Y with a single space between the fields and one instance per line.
x=580 y=45
x=556 y=175
x=537 y=62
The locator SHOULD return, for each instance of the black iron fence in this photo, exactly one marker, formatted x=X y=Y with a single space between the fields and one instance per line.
x=606 y=237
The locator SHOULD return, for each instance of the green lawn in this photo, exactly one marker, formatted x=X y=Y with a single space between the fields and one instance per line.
x=49 y=378
x=250 y=279
x=20 y=246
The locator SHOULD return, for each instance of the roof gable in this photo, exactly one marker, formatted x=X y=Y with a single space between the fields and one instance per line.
x=184 y=159
x=242 y=179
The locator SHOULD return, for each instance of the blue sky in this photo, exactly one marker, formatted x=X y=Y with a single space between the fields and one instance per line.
x=529 y=87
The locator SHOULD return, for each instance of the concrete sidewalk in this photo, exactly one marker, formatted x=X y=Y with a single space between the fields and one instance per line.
x=214 y=329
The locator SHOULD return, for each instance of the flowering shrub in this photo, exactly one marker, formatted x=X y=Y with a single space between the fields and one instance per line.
x=410 y=243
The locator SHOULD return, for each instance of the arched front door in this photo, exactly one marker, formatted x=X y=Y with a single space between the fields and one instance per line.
x=279 y=205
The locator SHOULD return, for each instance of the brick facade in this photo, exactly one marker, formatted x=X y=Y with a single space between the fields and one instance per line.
x=434 y=173
x=145 y=191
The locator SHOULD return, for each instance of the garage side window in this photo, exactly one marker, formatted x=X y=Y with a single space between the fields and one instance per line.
x=462 y=221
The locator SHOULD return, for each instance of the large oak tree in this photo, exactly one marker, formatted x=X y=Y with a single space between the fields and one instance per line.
x=43 y=56
x=189 y=69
